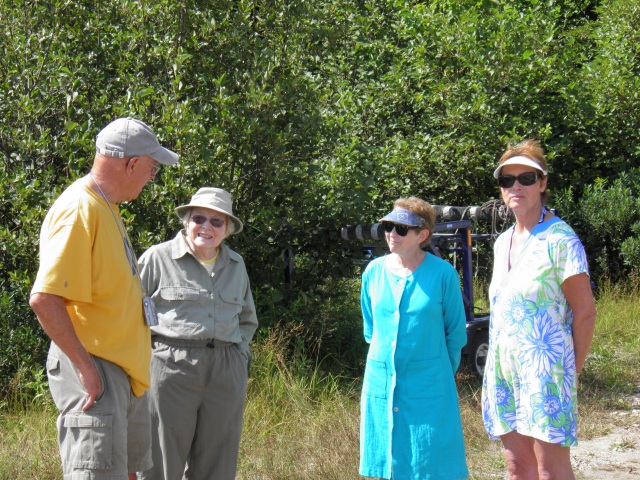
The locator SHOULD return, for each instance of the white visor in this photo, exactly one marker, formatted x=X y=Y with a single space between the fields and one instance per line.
x=519 y=160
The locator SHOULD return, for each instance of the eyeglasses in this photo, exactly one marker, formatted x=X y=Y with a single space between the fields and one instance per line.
x=201 y=220
x=401 y=230
x=525 y=179
x=156 y=166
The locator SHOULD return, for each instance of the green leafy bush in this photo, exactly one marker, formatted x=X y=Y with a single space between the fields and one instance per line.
x=607 y=219
x=313 y=115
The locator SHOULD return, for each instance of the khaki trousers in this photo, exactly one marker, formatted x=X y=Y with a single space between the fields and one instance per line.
x=197 y=395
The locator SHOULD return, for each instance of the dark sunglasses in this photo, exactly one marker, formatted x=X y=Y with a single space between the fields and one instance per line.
x=401 y=230
x=525 y=179
x=201 y=220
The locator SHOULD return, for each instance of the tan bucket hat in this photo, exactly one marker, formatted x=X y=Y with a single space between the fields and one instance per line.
x=214 y=199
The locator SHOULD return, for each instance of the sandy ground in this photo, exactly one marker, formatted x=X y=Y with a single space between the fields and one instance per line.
x=614 y=456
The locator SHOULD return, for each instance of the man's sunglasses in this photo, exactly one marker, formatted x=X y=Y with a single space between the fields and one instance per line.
x=401 y=230
x=201 y=220
x=525 y=179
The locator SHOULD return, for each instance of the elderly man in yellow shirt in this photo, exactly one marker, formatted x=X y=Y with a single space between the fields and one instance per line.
x=89 y=299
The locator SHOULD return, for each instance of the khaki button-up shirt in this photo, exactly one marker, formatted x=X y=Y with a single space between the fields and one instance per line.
x=193 y=304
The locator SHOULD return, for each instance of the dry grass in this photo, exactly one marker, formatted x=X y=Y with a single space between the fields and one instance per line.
x=305 y=426
x=309 y=428
x=484 y=457
x=28 y=446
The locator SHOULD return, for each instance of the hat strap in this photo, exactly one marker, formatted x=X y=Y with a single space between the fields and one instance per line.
x=109 y=153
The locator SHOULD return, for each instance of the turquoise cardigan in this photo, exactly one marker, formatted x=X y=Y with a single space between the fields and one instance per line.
x=410 y=418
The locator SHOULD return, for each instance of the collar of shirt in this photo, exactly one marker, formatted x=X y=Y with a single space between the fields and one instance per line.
x=179 y=249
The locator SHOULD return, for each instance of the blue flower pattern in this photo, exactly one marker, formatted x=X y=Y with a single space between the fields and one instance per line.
x=543 y=347
x=530 y=382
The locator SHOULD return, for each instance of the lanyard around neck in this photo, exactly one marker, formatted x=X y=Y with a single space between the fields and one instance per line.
x=544 y=212
x=128 y=248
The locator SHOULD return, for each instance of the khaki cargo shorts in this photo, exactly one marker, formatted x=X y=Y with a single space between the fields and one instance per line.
x=110 y=439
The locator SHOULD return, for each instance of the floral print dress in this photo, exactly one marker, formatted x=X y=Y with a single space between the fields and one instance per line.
x=530 y=377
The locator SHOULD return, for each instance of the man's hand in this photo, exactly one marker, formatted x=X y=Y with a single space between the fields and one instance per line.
x=92 y=383
x=54 y=318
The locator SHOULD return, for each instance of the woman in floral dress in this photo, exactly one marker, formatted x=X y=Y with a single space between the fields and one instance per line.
x=542 y=322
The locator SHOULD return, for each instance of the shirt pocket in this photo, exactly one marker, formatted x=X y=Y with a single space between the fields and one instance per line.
x=375 y=379
x=233 y=298
x=180 y=293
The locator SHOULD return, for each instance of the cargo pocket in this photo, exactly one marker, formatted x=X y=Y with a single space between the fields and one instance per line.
x=87 y=440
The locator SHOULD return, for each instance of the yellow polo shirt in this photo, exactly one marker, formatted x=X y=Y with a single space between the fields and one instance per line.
x=83 y=260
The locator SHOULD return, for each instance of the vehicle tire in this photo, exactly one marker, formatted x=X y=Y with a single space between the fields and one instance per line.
x=478 y=352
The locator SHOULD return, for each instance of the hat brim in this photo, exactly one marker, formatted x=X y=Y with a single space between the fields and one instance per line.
x=183 y=210
x=164 y=156
x=402 y=217
x=519 y=160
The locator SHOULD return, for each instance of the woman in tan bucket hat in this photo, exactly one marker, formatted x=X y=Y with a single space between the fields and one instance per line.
x=201 y=355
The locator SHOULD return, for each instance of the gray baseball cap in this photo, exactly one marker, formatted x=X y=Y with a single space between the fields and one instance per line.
x=128 y=137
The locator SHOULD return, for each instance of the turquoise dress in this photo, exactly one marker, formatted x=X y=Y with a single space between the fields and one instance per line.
x=530 y=377
x=410 y=418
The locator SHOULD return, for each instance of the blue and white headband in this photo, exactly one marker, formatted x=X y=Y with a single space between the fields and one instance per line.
x=403 y=217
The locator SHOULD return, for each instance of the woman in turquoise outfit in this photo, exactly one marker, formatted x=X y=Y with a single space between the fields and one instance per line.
x=542 y=322
x=415 y=323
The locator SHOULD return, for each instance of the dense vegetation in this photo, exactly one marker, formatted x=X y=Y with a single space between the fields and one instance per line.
x=315 y=114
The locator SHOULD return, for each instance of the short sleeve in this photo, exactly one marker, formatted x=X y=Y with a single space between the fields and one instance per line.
x=66 y=263
x=568 y=254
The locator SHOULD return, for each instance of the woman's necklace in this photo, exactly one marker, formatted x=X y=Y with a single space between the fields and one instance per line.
x=542 y=215
x=544 y=212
